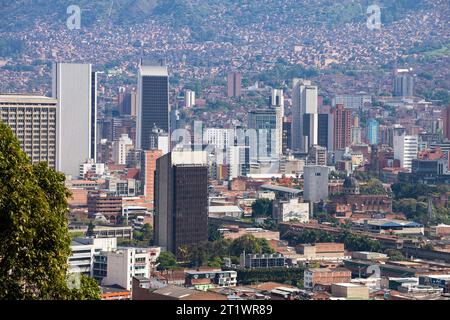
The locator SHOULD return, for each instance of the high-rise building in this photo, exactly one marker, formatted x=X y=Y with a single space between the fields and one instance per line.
x=446 y=116
x=268 y=125
x=181 y=200
x=218 y=137
x=325 y=136
x=305 y=115
x=159 y=140
x=234 y=81
x=287 y=135
x=372 y=131
x=75 y=88
x=342 y=127
x=121 y=149
x=277 y=100
x=405 y=147
x=189 y=98
x=238 y=160
x=153 y=103
x=33 y=121
x=148 y=167
x=127 y=102
x=403 y=83
x=318 y=156
x=315 y=183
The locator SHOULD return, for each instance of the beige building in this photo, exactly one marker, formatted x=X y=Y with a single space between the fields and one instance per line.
x=33 y=121
x=350 y=291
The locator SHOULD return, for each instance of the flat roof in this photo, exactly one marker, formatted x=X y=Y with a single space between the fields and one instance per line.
x=217 y=209
x=280 y=189
x=26 y=98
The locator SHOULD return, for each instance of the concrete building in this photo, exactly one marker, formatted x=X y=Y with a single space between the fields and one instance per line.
x=181 y=199
x=121 y=149
x=119 y=266
x=75 y=88
x=406 y=148
x=318 y=156
x=342 y=127
x=357 y=101
x=321 y=251
x=33 y=121
x=205 y=280
x=234 y=81
x=268 y=125
x=403 y=83
x=189 y=98
x=325 y=276
x=153 y=103
x=238 y=159
x=315 y=183
x=220 y=138
x=350 y=291
x=290 y=210
x=92 y=168
x=258 y=261
x=372 y=134
x=304 y=115
x=100 y=203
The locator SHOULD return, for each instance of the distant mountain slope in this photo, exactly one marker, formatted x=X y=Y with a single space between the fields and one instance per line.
x=20 y=14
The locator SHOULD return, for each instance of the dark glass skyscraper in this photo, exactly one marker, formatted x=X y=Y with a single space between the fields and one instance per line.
x=153 y=103
x=181 y=200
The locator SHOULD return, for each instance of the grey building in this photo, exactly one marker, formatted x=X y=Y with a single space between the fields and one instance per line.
x=75 y=88
x=315 y=183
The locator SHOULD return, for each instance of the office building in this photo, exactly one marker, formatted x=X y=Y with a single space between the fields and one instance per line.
x=181 y=200
x=305 y=115
x=277 y=100
x=287 y=135
x=90 y=168
x=315 y=183
x=234 y=81
x=406 y=148
x=372 y=134
x=103 y=205
x=268 y=125
x=325 y=135
x=403 y=83
x=318 y=156
x=153 y=103
x=75 y=88
x=189 y=98
x=148 y=167
x=119 y=266
x=159 y=140
x=33 y=121
x=121 y=149
x=238 y=160
x=220 y=138
x=261 y=261
x=342 y=127
x=446 y=117
x=127 y=101
x=356 y=101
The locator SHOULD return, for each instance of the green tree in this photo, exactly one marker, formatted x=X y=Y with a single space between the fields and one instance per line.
x=34 y=237
x=166 y=261
x=90 y=230
x=262 y=207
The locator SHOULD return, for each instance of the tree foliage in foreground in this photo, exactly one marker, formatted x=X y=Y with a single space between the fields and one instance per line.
x=34 y=237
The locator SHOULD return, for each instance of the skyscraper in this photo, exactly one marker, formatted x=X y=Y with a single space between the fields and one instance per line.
x=181 y=200
x=342 y=127
x=234 y=81
x=277 y=100
x=305 y=117
x=148 y=167
x=33 y=121
x=446 y=116
x=403 y=83
x=268 y=125
x=405 y=147
x=75 y=88
x=325 y=136
x=372 y=131
x=153 y=103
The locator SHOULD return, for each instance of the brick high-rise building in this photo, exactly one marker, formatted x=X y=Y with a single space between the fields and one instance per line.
x=148 y=167
x=342 y=127
x=102 y=203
